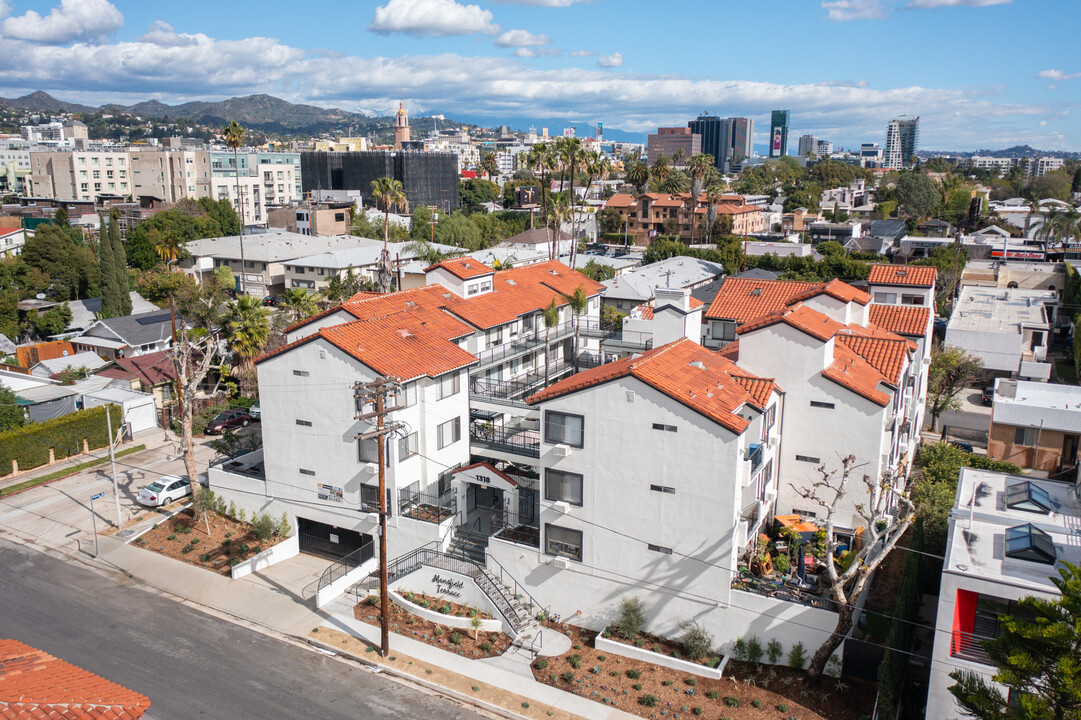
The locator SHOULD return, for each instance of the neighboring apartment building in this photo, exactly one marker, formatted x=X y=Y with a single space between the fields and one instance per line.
x=313 y=272
x=265 y=179
x=1036 y=425
x=1003 y=327
x=654 y=214
x=170 y=175
x=312 y=218
x=1008 y=536
x=79 y=174
x=638 y=286
x=669 y=141
x=14 y=166
x=902 y=141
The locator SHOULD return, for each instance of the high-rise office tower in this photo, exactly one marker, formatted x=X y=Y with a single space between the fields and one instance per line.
x=778 y=133
x=823 y=148
x=742 y=138
x=716 y=135
x=807 y=145
x=902 y=140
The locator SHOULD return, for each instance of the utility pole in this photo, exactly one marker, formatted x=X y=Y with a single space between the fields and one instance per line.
x=433 y=221
x=112 y=462
x=377 y=393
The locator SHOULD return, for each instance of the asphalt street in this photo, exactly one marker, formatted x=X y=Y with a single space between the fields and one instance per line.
x=188 y=663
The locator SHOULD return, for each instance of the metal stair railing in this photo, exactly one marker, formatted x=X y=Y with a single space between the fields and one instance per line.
x=345 y=564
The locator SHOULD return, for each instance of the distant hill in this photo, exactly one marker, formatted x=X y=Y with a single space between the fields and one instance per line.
x=43 y=102
x=1017 y=151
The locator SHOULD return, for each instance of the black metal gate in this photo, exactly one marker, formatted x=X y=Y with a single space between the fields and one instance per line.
x=328 y=541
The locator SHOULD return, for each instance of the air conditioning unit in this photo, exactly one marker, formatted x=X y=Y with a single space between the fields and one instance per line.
x=561 y=507
x=561 y=563
x=561 y=450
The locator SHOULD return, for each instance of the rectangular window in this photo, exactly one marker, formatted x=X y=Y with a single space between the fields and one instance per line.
x=300 y=373
x=369 y=497
x=305 y=471
x=449 y=385
x=912 y=299
x=886 y=298
x=449 y=433
x=408 y=395
x=471 y=289
x=1024 y=436
x=368 y=450
x=663 y=489
x=407 y=446
x=563 y=428
x=820 y=404
x=724 y=331
x=769 y=419
x=665 y=428
x=808 y=459
x=304 y=423
x=563 y=541
x=659 y=548
x=485 y=285
x=298 y=270
x=563 y=486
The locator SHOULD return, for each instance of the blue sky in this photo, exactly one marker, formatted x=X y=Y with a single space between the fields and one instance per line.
x=979 y=73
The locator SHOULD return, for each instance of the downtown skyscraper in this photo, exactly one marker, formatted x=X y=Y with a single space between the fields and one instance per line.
x=902 y=140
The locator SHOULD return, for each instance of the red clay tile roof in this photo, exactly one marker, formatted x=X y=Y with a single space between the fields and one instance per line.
x=153 y=368
x=744 y=299
x=853 y=372
x=885 y=355
x=670 y=201
x=799 y=316
x=34 y=684
x=685 y=371
x=462 y=268
x=727 y=209
x=620 y=200
x=730 y=351
x=901 y=319
x=914 y=275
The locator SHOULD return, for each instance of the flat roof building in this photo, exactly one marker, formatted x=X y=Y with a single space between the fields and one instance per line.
x=1003 y=327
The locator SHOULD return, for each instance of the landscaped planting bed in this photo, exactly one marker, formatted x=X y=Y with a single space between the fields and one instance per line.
x=430 y=602
x=185 y=538
x=664 y=646
x=427 y=513
x=460 y=642
x=746 y=692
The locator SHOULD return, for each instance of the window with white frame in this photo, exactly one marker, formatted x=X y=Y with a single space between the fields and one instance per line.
x=912 y=299
x=368 y=450
x=563 y=428
x=562 y=541
x=407 y=446
x=449 y=385
x=1024 y=436
x=448 y=433
x=562 y=486
x=885 y=298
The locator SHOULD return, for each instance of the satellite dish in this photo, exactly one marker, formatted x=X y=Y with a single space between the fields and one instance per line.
x=40 y=296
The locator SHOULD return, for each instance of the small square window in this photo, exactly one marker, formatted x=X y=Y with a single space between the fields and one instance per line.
x=665 y=428
x=808 y=459
x=563 y=541
x=659 y=548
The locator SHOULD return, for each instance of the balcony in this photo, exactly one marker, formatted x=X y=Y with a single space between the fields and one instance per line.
x=514 y=392
x=615 y=338
x=519 y=441
x=523 y=344
x=755 y=454
x=969 y=646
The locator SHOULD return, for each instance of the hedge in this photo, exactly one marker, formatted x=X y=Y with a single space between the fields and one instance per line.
x=30 y=444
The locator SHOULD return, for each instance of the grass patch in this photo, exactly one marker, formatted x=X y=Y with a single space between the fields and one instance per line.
x=70 y=470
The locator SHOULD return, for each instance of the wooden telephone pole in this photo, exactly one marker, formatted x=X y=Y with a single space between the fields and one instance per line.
x=379 y=393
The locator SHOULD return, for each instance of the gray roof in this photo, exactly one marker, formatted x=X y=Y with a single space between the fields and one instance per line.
x=894 y=229
x=358 y=257
x=83 y=311
x=44 y=393
x=675 y=272
x=86 y=359
x=6 y=346
x=1036 y=404
x=134 y=330
x=274 y=247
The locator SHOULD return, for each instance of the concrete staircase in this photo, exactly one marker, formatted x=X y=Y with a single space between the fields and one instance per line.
x=469 y=545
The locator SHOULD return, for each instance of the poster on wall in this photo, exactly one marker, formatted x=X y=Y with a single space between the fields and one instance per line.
x=329 y=492
x=777 y=139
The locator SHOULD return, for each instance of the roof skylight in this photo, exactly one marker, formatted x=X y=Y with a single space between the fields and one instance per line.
x=1029 y=497
x=1028 y=542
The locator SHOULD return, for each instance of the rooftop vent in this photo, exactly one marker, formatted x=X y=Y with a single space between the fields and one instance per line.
x=511 y=282
x=410 y=304
x=405 y=333
x=1028 y=542
x=1029 y=497
x=902 y=273
x=756 y=291
x=698 y=364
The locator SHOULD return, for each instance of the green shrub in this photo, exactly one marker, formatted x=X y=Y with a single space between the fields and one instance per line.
x=797 y=657
x=445 y=608
x=666 y=683
x=437 y=632
x=30 y=444
x=183 y=529
x=283 y=528
x=632 y=618
x=774 y=651
x=596 y=669
x=731 y=701
x=697 y=710
x=712 y=694
x=262 y=526
x=756 y=702
x=637 y=686
x=172 y=536
x=456 y=638
x=540 y=664
x=739 y=649
x=233 y=562
x=602 y=658
x=697 y=641
x=205 y=557
x=783 y=708
x=568 y=677
x=782 y=564
x=486 y=646
x=647 y=701
x=634 y=673
x=691 y=681
x=372 y=600
x=754 y=650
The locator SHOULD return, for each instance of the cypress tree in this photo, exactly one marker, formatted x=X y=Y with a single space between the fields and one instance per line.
x=109 y=304
x=120 y=266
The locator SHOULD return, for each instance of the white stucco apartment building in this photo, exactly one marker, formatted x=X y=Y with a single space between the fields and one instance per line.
x=1007 y=537
x=1003 y=327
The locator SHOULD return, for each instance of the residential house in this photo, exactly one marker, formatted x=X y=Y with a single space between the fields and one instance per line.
x=85 y=312
x=1008 y=536
x=85 y=360
x=1004 y=328
x=1036 y=425
x=313 y=272
x=12 y=241
x=312 y=218
x=127 y=336
x=638 y=286
x=152 y=373
x=654 y=214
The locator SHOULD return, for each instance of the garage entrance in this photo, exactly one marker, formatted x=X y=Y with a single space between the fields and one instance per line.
x=332 y=542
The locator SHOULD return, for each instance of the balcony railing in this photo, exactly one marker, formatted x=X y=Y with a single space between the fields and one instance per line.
x=516 y=441
x=516 y=391
x=524 y=343
x=428 y=507
x=755 y=453
x=592 y=328
x=969 y=646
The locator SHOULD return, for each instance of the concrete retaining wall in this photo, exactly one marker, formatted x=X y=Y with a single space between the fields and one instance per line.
x=463 y=623
x=637 y=653
x=287 y=548
x=336 y=588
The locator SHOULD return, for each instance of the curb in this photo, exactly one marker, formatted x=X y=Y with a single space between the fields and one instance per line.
x=73 y=472
x=406 y=677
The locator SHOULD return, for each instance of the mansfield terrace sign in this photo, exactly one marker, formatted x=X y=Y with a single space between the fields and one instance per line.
x=447 y=586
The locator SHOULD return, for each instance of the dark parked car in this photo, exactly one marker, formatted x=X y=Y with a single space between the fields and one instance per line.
x=962 y=445
x=272 y=301
x=228 y=420
x=989 y=395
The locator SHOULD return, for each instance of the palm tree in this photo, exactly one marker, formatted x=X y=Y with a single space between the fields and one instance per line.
x=595 y=165
x=560 y=213
x=578 y=302
x=638 y=174
x=488 y=164
x=233 y=134
x=661 y=169
x=714 y=195
x=698 y=168
x=550 y=316
x=669 y=184
x=1060 y=227
x=167 y=246
x=389 y=192
x=541 y=158
x=300 y=303
x=246 y=327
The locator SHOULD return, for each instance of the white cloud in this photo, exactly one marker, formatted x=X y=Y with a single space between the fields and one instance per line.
x=844 y=10
x=954 y=3
x=161 y=33
x=543 y=3
x=1057 y=75
x=73 y=20
x=610 y=61
x=432 y=18
x=582 y=53
x=521 y=39
x=528 y=52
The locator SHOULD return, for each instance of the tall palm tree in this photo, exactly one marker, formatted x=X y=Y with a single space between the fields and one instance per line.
x=578 y=302
x=1060 y=226
x=550 y=315
x=246 y=327
x=698 y=168
x=389 y=192
x=596 y=166
x=669 y=184
x=488 y=164
x=714 y=195
x=661 y=169
x=300 y=303
x=542 y=159
x=638 y=174
x=233 y=134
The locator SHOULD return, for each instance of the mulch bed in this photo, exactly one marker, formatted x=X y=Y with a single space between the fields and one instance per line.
x=184 y=538
x=430 y=602
x=664 y=646
x=440 y=636
x=427 y=513
x=746 y=691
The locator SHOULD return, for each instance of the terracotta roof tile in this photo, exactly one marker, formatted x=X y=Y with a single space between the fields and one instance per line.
x=685 y=371
x=901 y=319
x=914 y=275
x=620 y=200
x=799 y=316
x=34 y=684
x=744 y=299
x=730 y=351
x=853 y=372
x=670 y=201
x=462 y=268
x=885 y=355
x=836 y=289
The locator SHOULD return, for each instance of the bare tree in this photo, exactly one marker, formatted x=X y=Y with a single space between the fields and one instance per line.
x=193 y=357
x=880 y=532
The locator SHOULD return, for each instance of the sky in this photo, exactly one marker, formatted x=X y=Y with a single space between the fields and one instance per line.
x=978 y=73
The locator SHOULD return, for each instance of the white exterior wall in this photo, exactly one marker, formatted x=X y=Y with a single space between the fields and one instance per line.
x=621 y=457
x=880 y=295
x=335 y=318
x=997 y=351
